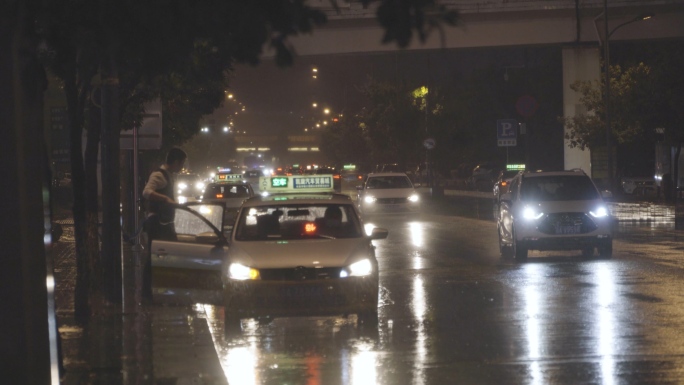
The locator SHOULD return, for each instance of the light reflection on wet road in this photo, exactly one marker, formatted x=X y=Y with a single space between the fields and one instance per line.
x=452 y=311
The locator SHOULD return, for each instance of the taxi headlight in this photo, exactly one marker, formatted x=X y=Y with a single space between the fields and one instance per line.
x=413 y=198
x=359 y=269
x=531 y=214
x=599 y=212
x=369 y=199
x=242 y=272
x=182 y=186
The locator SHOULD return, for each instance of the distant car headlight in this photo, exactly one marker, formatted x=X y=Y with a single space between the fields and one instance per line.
x=531 y=214
x=199 y=186
x=182 y=186
x=413 y=198
x=361 y=268
x=369 y=199
x=182 y=199
x=599 y=212
x=242 y=272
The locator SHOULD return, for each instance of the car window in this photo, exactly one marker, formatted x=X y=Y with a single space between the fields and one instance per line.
x=298 y=222
x=389 y=182
x=187 y=223
x=514 y=188
x=558 y=188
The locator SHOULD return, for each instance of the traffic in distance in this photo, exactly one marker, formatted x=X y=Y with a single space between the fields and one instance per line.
x=299 y=247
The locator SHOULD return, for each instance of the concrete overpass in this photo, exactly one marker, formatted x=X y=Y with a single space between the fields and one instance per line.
x=572 y=24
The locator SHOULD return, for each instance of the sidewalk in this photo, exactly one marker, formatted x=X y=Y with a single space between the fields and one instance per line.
x=130 y=343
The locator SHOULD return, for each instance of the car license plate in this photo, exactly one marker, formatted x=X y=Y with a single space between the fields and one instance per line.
x=303 y=293
x=572 y=229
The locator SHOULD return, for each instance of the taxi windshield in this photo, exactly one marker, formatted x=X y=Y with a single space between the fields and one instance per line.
x=291 y=222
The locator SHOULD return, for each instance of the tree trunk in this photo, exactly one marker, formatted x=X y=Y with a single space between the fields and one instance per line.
x=111 y=212
x=24 y=326
x=94 y=283
x=78 y=181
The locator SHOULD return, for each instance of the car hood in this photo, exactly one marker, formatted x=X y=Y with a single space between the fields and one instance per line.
x=584 y=206
x=307 y=253
x=391 y=192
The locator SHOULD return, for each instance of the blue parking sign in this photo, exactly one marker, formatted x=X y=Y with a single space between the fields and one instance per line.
x=506 y=132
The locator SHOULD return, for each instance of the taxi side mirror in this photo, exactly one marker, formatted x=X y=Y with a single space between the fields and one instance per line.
x=379 y=233
x=606 y=194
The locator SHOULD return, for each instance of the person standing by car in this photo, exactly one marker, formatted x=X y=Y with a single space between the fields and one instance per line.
x=159 y=195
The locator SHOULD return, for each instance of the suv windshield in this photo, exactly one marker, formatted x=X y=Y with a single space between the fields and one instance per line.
x=387 y=182
x=558 y=188
x=298 y=222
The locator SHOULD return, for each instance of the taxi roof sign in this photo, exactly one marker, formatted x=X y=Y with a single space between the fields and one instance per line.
x=296 y=184
x=220 y=177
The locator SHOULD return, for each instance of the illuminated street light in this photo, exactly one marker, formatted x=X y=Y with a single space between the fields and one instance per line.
x=225 y=129
x=314 y=105
x=326 y=111
x=606 y=73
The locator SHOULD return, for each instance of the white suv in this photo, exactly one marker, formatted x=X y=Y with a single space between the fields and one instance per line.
x=554 y=210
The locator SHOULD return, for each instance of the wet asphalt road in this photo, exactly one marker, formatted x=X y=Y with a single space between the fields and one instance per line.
x=452 y=311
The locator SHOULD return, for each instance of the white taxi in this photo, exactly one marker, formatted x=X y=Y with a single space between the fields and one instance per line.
x=300 y=250
x=231 y=190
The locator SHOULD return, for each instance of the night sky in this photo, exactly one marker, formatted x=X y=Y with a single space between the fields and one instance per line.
x=273 y=96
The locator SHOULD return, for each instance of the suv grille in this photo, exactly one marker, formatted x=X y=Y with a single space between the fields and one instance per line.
x=567 y=224
x=391 y=201
x=299 y=274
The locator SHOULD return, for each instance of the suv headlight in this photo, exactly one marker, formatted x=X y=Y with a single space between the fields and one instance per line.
x=369 y=199
x=242 y=272
x=531 y=213
x=599 y=212
x=361 y=268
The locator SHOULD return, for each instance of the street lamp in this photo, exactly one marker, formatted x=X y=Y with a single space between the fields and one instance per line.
x=606 y=73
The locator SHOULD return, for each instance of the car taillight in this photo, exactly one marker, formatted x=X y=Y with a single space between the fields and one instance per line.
x=504 y=183
x=219 y=195
x=336 y=177
x=359 y=177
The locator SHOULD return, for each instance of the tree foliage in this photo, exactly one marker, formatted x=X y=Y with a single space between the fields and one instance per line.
x=181 y=51
x=629 y=107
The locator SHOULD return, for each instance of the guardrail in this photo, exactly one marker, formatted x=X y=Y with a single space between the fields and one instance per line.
x=622 y=211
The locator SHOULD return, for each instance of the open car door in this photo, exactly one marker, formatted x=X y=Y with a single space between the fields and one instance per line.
x=188 y=270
